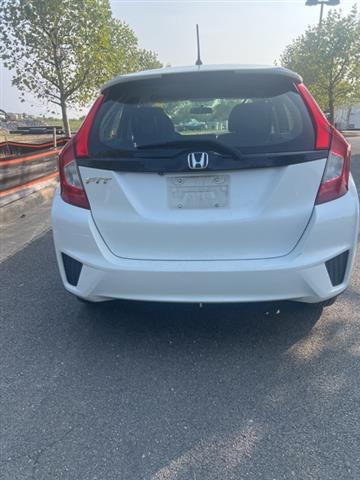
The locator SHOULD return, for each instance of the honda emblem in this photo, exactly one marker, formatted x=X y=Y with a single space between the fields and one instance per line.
x=198 y=160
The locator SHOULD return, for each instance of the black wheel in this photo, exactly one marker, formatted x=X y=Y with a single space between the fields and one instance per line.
x=325 y=303
x=329 y=301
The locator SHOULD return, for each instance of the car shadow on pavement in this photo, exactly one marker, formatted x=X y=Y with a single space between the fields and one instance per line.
x=228 y=391
x=231 y=320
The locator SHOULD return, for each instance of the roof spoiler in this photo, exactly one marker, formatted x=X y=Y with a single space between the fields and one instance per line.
x=158 y=73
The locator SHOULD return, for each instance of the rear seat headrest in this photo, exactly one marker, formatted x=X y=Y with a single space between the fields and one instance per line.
x=251 y=120
x=151 y=124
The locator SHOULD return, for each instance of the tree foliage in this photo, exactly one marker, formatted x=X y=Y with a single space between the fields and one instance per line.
x=62 y=51
x=328 y=58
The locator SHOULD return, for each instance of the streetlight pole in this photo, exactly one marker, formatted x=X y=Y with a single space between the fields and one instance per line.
x=329 y=3
x=321 y=13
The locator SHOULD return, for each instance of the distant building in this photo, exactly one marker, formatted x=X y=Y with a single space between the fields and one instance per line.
x=348 y=117
x=13 y=116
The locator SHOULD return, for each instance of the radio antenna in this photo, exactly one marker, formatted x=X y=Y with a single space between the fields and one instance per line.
x=198 y=60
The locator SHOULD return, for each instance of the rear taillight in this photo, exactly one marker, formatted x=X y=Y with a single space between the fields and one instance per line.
x=335 y=180
x=82 y=136
x=321 y=123
x=72 y=189
x=334 y=183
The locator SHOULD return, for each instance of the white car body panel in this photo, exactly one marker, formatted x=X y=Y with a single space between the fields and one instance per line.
x=300 y=275
x=131 y=210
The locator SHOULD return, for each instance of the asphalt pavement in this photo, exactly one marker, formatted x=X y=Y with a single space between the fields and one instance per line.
x=133 y=390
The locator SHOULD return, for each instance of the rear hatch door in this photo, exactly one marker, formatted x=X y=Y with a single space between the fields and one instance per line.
x=202 y=168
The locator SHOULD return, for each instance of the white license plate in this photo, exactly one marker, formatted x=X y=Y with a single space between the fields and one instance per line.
x=200 y=191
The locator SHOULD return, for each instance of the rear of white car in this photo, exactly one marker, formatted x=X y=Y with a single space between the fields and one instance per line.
x=210 y=184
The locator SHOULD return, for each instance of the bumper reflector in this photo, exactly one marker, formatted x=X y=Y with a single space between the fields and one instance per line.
x=336 y=268
x=72 y=269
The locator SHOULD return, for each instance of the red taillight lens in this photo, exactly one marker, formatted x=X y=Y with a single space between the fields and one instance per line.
x=321 y=123
x=335 y=180
x=72 y=189
x=334 y=183
x=82 y=136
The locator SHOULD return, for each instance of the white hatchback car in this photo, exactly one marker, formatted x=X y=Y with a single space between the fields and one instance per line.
x=206 y=184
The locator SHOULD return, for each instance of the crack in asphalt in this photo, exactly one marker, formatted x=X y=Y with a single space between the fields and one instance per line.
x=45 y=448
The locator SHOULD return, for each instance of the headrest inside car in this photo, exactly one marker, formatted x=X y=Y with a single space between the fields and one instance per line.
x=251 y=120
x=151 y=125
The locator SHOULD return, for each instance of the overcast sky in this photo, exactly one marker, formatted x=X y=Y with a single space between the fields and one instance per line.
x=238 y=31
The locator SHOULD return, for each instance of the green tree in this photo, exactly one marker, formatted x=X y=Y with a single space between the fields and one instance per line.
x=62 y=51
x=328 y=58
x=123 y=54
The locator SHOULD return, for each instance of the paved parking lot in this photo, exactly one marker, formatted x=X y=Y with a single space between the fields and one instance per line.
x=132 y=391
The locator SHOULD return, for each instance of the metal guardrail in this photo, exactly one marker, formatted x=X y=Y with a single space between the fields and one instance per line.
x=19 y=171
x=11 y=149
x=14 y=173
x=39 y=130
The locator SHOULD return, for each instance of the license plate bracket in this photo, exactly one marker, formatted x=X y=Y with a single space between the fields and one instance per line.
x=198 y=191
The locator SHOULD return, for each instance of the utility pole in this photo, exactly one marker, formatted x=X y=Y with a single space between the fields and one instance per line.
x=329 y=3
x=321 y=13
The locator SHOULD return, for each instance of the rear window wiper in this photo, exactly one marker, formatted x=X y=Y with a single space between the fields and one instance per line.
x=213 y=145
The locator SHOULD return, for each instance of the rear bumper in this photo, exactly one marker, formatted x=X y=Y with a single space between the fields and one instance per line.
x=300 y=275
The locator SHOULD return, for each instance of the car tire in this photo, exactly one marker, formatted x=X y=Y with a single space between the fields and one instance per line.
x=323 y=304
x=329 y=301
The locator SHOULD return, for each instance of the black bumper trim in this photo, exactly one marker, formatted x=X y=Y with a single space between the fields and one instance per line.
x=336 y=268
x=72 y=269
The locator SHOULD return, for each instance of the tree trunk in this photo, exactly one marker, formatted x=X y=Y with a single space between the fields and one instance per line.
x=65 y=118
x=348 y=117
x=331 y=106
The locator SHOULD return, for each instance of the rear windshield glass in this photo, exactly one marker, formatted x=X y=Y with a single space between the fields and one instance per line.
x=261 y=114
